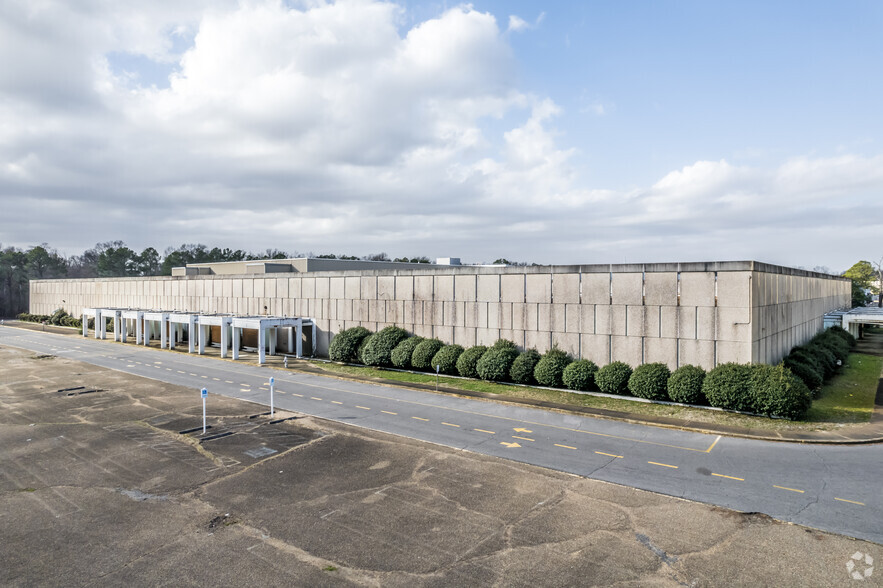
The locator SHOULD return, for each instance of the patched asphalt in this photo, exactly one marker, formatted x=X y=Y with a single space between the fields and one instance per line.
x=114 y=486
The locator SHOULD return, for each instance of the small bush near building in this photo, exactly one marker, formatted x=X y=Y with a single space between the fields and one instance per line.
x=421 y=359
x=346 y=344
x=685 y=385
x=844 y=334
x=650 y=381
x=360 y=352
x=580 y=375
x=401 y=355
x=836 y=345
x=808 y=374
x=613 y=378
x=496 y=362
x=523 y=367
x=379 y=348
x=729 y=386
x=826 y=359
x=777 y=392
x=550 y=368
x=468 y=360
x=446 y=359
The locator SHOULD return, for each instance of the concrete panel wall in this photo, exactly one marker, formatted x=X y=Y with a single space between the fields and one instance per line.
x=703 y=314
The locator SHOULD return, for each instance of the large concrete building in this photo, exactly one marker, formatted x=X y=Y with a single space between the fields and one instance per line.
x=676 y=313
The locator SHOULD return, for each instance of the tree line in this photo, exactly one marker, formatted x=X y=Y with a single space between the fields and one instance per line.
x=115 y=259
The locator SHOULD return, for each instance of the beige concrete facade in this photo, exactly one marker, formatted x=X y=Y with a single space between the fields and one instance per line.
x=699 y=313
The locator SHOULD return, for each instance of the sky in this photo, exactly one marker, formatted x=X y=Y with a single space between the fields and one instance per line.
x=542 y=132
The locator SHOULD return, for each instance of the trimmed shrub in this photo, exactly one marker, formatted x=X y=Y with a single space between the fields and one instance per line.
x=804 y=355
x=808 y=374
x=685 y=385
x=378 y=349
x=523 y=367
x=835 y=345
x=650 y=381
x=401 y=355
x=345 y=345
x=504 y=344
x=363 y=345
x=778 y=392
x=844 y=334
x=446 y=359
x=468 y=361
x=826 y=358
x=496 y=362
x=421 y=359
x=729 y=386
x=580 y=375
x=550 y=368
x=613 y=378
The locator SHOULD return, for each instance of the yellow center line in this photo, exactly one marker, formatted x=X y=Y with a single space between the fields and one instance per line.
x=228 y=381
x=786 y=488
x=216 y=379
x=849 y=501
x=363 y=407
x=336 y=402
x=296 y=394
x=665 y=465
x=713 y=444
x=510 y=419
x=315 y=398
x=565 y=446
x=168 y=369
x=484 y=431
x=608 y=454
x=728 y=477
x=450 y=424
x=180 y=372
x=192 y=374
x=204 y=377
x=420 y=419
x=522 y=438
x=388 y=412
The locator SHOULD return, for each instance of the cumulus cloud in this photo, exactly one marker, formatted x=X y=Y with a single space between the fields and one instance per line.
x=332 y=126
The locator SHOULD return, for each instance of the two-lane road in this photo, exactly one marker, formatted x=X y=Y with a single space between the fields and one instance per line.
x=836 y=488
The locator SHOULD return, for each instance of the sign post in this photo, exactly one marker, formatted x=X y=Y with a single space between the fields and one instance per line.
x=272 y=386
x=437 y=368
x=203 y=393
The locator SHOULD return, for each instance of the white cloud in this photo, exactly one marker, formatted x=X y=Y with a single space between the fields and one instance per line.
x=334 y=127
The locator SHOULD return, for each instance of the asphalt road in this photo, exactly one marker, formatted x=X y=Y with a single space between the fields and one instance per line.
x=835 y=488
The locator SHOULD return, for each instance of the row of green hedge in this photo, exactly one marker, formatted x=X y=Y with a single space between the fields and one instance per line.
x=770 y=390
x=59 y=318
x=817 y=361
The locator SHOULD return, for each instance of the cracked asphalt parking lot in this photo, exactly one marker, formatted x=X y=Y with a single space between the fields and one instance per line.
x=102 y=488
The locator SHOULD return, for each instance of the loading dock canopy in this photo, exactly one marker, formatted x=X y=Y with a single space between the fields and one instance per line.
x=863 y=315
x=171 y=325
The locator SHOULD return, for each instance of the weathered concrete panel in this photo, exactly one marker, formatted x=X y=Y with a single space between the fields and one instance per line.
x=603 y=319
x=377 y=311
x=308 y=287
x=567 y=342
x=495 y=314
x=661 y=288
x=475 y=314
x=635 y=321
x=513 y=335
x=736 y=352
x=686 y=322
x=386 y=287
x=695 y=352
x=697 y=289
x=558 y=318
x=512 y=288
x=627 y=349
x=368 y=287
x=571 y=318
x=627 y=288
x=706 y=323
x=337 y=287
x=295 y=287
x=423 y=287
x=486 y=337
x=544 y=317
x=596 y=288
x=352 y=287
x=538 y=287
x=489 y=288
x=444 y=288
x=465 y=288
x=595 y=348
x=464 y=336
x=733 y=289
x=565 y=288
x=395 y=311
x=281 y=287
x=617 y=319
x=539 y=340
x=323 y=288
x=587 y=318
x=662 y=351
x=404 y=287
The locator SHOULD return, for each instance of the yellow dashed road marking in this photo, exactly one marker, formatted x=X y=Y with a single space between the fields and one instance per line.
x=484 y=431
x=180 y=372
x=450 y=424
x=336 y=402
x=389 y=412
x=419 y=419
x=363 y=407
x=216 y=379
x=786 y=488
x=522 y=438
x=608 y=454
x=296 y=394
x=315 y=398
x=728 y=477
x=665 y=465
x=849 y=501
x=228 y=381
x=565 y=446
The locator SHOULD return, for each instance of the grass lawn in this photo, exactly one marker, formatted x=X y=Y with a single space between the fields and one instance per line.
x=847 y=399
